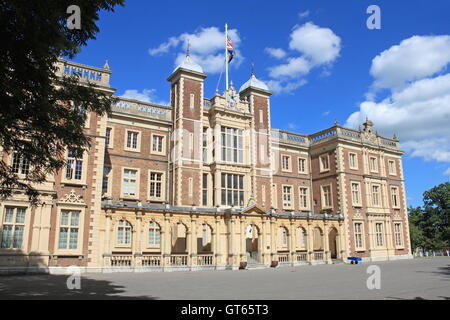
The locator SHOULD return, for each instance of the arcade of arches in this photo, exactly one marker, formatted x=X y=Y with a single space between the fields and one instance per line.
x=221 y=241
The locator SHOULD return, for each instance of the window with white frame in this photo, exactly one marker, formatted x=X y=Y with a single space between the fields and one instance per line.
x=326 y=197
x=284 y=237
x=192 y=101
x=232 y=145
x=302 y=165
x=304 y=198
x=205 y=189
x=356 y=194
x=19 y=164
x=376 y=198
x=124 y=233
x=373 y=164
x=379 y=234
x=108 y=137
x=359 y=235
x=157 y=144
x=74 y=167
x=129 y=183
x=132 y=140
x=69 y=225
x=287 y=197
x=156 y=185
x=395 y=197
x=204 y=235
x=105 y=181
x=13 y=228
x=232 y=190
x=154 y=235
x=353 y=160
x=391 y=167
x=324 y=163
x=286 y=163
x=398 y=234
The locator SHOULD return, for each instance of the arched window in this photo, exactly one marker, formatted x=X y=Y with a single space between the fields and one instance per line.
x=154 y=234
x=124 y=233
x=301 y=238
x=284 y=236
x=318 y=239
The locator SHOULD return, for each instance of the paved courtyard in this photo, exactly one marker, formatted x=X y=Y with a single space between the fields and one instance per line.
x=410 y=279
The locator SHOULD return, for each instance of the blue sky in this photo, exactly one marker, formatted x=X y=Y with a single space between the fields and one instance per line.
x=320 y=58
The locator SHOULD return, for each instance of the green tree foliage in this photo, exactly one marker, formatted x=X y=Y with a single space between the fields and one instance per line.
x=35 y=119
x=430 y=224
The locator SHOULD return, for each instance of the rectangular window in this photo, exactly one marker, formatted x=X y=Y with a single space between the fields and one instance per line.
x=376 y=195
x=205 y=190
x=156 y=185
x=263 y=195
x=326 y=197
x=359 y=235
x=395 y=197
x=379 y=234
x=129 y=183
x=232 y=145
x=353 y=161
x=132 y=140
x=20 y=165
x=157 y=144
x=287 y=197
x=391 y=167
x=261 y=118
x=301 y=165
x=205 y=145
x=105 y=183
x=232 y=192
x=192 y=101
x=398 y=234
x=356 y=194
x=68 y=230
x=373 y=164
x=108 y=137
x=324 y=163
x=74 y=169
x=304 y=198
x=13 y=228
x=286 y=163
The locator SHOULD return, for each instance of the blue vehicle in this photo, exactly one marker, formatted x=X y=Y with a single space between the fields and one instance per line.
x=354 y=260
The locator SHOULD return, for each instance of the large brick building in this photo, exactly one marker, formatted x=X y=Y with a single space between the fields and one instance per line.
x=207 y=183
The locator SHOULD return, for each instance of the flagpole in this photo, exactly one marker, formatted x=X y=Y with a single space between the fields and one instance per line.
x=226 y=56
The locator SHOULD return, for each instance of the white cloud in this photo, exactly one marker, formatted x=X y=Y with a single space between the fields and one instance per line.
x=417 y=109
x=283 y=86
x=413 y=59
x=303 y=14
x=447 y=173
x=147 y=95
x=326 y=113
x=207 y=47
x=276 y=53
x=318 y=44
x=314 y=47
x=294 y=68
x=292 y=126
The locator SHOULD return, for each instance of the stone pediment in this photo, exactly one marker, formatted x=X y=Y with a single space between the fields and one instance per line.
x=254 y=210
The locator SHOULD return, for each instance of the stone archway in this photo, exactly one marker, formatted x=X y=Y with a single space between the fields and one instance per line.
x=332 y=239
x=252 y=242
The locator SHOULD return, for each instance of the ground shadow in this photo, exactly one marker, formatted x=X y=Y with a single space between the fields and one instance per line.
x=54 y=287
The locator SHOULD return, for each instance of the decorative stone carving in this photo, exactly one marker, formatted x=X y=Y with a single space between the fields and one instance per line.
x=73 y=198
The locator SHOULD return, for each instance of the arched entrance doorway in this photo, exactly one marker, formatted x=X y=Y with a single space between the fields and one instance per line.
x=251 y=243
x=332 y=238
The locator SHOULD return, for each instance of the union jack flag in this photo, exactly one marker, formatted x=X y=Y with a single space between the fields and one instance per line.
x=230 y=48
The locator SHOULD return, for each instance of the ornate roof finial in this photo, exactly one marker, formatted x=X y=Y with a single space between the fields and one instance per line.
x=188 y=49
x=106 y=66
x=253 y=69
x=336 y=122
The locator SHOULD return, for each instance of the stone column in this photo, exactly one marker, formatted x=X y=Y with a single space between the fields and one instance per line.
x=137 y=245
x=326 y=245
x=193 y=242
x=292 y=243
x=166 y=249
x=107 y=249
x=217 y=248
x=243 y=251
x=310 y=242
x=231 y=247
x=273 y=241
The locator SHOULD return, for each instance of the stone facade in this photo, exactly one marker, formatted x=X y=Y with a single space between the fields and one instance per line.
x=208 y=184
